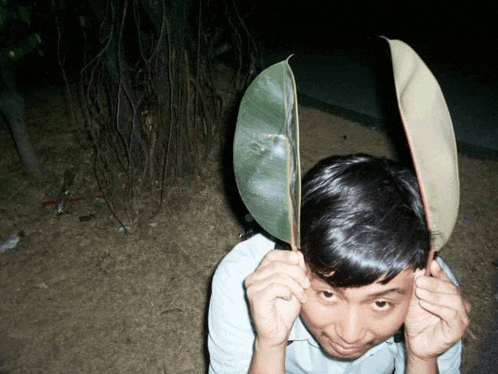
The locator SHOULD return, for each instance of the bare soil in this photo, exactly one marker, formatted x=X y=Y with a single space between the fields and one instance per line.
x=76 y=296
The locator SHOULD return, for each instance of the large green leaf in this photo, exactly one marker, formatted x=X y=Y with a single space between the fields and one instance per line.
x=266 y=153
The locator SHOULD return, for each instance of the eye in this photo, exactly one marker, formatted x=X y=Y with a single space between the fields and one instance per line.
x=327 y=294
x=383 y=305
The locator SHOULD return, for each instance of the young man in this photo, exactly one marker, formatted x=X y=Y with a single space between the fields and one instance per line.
x=354 y=299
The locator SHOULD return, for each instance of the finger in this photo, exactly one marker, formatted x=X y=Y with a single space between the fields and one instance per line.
x=456 y=320
x=447 y=300
x=437 y=285
x=279 y=263
x=275 y=291
x=450 y=308
x=437 y=271
x=275 y=281
x=293 y=257
x=292 y=271
x=280 y=255
x=283 y=256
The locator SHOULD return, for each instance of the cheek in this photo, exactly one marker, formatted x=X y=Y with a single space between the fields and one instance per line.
x=388 y=325
x=314 y=314
x=311 y=312
x=319 y=317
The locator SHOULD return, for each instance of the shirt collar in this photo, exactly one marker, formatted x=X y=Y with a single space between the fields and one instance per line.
x=300 y=332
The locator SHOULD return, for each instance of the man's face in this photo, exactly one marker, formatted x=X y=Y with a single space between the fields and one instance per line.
x=347 y=322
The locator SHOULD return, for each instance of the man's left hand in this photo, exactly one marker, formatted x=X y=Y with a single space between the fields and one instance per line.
x=437 y=317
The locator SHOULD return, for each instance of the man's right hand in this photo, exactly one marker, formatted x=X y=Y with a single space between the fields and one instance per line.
x=275 y=292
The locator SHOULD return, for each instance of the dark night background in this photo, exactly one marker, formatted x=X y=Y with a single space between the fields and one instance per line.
x=100 y=283
x=458 y=33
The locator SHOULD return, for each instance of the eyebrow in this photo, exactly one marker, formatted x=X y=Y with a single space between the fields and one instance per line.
x=390 y=292
x=394 y=291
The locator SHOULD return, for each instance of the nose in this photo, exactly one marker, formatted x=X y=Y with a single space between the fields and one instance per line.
x=350 y=327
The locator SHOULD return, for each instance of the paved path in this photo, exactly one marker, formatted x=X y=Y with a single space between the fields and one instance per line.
x=358 y=84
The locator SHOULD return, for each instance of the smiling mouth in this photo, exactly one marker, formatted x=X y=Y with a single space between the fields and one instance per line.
x=346 y=351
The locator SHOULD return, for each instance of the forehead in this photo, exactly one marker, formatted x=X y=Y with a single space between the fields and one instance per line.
x=399 y=286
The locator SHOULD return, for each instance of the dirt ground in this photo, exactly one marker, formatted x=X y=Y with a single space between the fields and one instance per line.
x=76 y=296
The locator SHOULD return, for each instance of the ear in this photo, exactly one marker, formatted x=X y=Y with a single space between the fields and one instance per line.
x=307 y=271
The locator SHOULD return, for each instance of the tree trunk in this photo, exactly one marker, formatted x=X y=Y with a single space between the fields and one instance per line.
x=12 y=108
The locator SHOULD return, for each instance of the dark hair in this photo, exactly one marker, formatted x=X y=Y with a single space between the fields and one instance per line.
x=361 y=218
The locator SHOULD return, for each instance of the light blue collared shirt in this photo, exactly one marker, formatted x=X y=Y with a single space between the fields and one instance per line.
x=231 y=336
